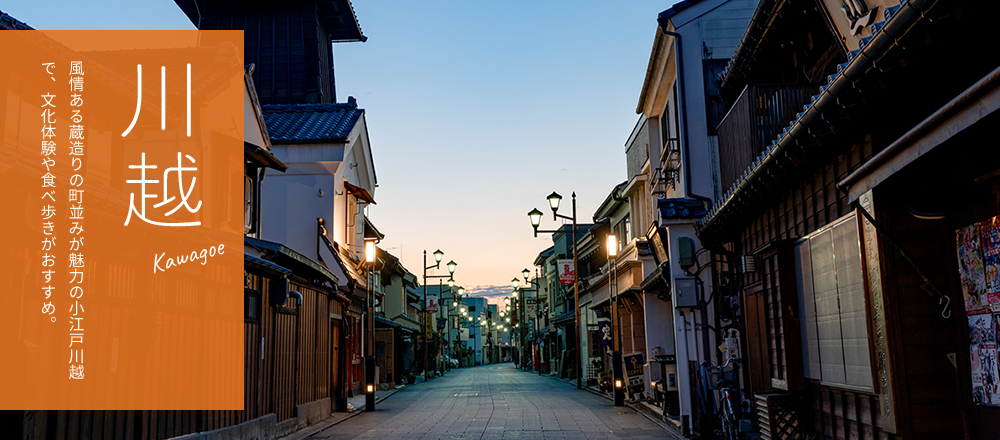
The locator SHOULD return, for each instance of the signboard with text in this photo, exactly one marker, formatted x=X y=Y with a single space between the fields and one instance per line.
x=566 y=271
x=634 y=370
x=432 y=303
x=124 y=184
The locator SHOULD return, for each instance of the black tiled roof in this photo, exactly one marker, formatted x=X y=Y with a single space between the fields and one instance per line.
x=311 y=122
x=10 y=23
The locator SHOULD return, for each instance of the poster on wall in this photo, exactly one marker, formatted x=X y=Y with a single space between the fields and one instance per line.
x=978 y=247
x=990 y=240
x=983 y=352
x=970 y=268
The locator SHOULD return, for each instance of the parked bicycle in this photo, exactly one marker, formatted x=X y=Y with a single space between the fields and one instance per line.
x=731 y=406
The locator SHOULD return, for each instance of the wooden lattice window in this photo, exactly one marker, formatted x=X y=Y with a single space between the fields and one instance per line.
x=778 y=306
x=775 y=325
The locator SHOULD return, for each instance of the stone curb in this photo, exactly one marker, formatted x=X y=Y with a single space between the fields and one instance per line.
x=337 y=418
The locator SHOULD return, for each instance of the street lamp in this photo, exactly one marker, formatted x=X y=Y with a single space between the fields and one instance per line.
x=370 y=349
x=535 y=216
x=519 y=337
x=438 y=255
x=616 y=354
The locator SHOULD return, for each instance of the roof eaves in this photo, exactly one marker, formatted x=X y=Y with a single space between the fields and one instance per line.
x=8 y=22
x=898 y=20
x=751 y=39
x=255 y=103
x=291 y=254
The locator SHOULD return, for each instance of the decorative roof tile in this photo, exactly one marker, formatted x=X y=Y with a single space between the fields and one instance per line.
x=10 y=23
x=293 y=123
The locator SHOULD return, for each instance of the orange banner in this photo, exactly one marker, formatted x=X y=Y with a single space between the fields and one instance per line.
x=121 y=181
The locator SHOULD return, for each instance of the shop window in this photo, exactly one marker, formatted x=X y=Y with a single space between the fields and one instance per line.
x=251 y=300
x=832 y=306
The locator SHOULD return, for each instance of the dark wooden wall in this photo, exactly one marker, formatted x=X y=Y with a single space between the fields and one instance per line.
x=774 y=346
x=295 y=369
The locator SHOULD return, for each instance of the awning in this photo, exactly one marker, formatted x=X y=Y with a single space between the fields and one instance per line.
x=372 y=233
x=359 y=192
x=408 y=319
x=564 y=318
x=657 y=280
x=348 y=267
x=388 y=323
x=263 y=157
x=263 y=267
x=286 y=256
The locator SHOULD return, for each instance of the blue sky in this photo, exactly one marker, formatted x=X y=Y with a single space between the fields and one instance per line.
x=476 y=111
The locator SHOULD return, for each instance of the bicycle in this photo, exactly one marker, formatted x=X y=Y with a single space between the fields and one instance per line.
x=731 y=405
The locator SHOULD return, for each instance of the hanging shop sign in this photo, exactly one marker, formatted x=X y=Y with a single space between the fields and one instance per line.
x=566 y=271
x=978 y=247
x=604 y=327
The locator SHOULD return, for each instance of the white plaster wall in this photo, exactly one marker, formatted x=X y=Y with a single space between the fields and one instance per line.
x=291 y=203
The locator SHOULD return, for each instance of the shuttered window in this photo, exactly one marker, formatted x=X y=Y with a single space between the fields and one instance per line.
x=832 y=306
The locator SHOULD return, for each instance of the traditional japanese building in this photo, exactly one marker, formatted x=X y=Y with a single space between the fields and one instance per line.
x=673 y=178
x=288 y=41
x=857 y=231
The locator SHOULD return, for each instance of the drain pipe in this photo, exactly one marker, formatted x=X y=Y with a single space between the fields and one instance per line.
x=683 y=112
x=685 y=419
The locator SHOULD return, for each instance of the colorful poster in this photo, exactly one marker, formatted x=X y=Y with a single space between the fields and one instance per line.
x=990 y=231
x=970 y=268
x=983 y=356
x=978 y=266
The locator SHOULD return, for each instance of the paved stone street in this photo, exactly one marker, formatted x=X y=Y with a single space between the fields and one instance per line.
x=495 y=402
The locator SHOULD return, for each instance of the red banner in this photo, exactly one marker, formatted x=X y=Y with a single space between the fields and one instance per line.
x=567 y=272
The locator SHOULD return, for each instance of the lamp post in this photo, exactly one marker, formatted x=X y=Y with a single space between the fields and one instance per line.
x=370 y=347
x=451 y=270
x=522 y=307
x=536 y=218
x=441 y=301
x=455 y=295
x=458 y=339
x=616 y=353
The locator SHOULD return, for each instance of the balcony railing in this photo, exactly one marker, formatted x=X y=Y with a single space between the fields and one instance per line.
x=667 y=173
x=754 y=121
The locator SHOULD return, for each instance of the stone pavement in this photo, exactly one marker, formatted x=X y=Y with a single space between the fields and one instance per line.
x=494 y=402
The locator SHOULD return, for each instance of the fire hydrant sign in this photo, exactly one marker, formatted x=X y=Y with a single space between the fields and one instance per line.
x=121 y=178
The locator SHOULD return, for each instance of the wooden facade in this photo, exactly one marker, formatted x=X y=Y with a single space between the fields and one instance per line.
x=793 y=189
x=298 y=365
